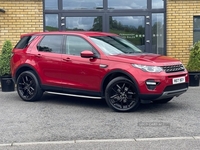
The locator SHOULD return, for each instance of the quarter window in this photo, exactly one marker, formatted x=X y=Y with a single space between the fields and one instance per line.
x=51 y=43
x=24 y=42
x=75 y=45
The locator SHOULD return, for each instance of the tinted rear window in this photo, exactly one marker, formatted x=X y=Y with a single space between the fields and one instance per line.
x=24 y=42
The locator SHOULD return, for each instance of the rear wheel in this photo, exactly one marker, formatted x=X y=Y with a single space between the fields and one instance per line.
x=163 y=101
x=28 y=87
x=121 y=95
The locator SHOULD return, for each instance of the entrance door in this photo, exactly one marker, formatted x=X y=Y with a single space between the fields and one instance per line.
x=135 y=28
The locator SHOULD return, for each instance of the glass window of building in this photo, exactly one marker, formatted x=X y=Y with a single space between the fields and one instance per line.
x=82 y=5
x=158 y=34
x=127 y=4
x=131 y=28
x=51 y=22
x=157 y=4
x=51 y=4
x=84 y=23
x=142 y=22
x=196 y=29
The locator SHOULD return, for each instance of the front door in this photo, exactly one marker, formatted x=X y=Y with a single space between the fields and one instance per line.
x=78 y=72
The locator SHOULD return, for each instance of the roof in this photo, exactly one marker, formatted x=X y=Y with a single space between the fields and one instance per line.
x=86 y=33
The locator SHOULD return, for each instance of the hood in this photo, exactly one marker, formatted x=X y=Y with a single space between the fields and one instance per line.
x=145 y=59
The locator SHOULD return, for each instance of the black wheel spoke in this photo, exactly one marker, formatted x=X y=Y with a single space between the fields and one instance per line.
x=123 y=87
x=118 y=86
x=126 y=89
x=114 y=96
x=122 y=104
x=115 y=91
x=29 y=92
x=130 y=93
x=131 y=103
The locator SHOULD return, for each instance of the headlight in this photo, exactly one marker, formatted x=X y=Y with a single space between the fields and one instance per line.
x=148 y=68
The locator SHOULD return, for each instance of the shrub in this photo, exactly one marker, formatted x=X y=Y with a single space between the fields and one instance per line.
x=194 y=59
x=5 y=58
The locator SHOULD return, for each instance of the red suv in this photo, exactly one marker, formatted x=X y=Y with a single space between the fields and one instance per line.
x=94 y=65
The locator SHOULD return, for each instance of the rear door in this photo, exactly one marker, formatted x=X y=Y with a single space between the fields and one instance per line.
x=48 y=59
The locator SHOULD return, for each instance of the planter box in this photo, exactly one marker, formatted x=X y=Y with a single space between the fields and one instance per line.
x=7 y=84
x=194 y=78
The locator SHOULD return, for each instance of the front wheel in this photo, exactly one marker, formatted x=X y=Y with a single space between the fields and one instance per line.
x=28 y=87
x=121 y=95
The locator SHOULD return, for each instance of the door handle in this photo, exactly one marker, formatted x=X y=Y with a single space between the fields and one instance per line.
x=66 y=59
x=38 y=55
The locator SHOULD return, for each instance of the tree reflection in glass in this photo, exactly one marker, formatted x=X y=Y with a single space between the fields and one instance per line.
x=84 y=23
x=129 y=27
x=51 y=22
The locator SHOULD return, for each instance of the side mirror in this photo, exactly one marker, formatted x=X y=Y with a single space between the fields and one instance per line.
x=87 y=54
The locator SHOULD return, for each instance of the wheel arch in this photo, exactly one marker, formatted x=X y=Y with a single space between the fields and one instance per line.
x=25 y=67
x=116 y=73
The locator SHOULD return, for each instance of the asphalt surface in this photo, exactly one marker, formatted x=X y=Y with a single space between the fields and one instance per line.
x=59 y=122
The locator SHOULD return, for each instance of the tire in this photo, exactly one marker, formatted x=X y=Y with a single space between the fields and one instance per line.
x=121 y=95
x=163 y=101
x=28 y=87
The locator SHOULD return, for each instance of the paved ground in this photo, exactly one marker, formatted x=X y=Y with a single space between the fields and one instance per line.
x=58 y=122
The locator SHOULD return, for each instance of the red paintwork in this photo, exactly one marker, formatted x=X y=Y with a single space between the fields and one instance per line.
x=67 y=71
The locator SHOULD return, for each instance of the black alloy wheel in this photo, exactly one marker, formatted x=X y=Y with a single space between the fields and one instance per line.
x=121 y=95
x=28 y=87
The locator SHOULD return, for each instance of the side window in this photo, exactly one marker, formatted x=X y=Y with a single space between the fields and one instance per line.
x=24 y=42
x=51 y=43
x=75 y=45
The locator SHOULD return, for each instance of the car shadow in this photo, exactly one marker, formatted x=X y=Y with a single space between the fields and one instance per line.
x=74 y=101
x=102 y=105
x=167 y=107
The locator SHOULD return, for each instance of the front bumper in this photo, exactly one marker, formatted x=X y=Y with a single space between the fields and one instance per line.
x=169 y=92
x=155 y=86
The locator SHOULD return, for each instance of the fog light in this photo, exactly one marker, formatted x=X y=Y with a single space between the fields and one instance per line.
x=151 y=84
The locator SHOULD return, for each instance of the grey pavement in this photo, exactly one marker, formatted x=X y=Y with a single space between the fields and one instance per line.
x=58 y=122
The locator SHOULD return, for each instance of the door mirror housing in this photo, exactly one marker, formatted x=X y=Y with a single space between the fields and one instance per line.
x=87 y=54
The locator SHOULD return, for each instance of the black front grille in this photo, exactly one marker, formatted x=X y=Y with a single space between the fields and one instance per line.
x=173 y=68
x=176 y=87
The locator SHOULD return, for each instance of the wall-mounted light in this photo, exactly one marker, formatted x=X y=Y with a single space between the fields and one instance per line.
x=2 y=10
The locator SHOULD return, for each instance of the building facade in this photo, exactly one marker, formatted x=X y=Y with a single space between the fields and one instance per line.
x=168 y=27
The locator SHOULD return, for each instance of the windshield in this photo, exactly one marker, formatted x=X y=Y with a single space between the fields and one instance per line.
x=113 y=45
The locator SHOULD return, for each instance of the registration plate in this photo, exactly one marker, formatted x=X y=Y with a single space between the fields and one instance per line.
x=178 y=80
